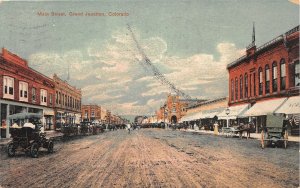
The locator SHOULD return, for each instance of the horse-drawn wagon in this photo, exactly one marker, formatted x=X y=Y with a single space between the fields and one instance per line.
x=238 y=130
x=275 y=132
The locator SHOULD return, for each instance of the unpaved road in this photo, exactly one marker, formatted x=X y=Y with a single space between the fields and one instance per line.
x=154 y=158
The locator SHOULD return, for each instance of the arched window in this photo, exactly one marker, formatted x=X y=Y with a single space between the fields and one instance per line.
x=274 y=76
x=236 y=89
x=282 y=75
x=267 y=79
x=241 y=87
x=246 y=85
x=260 y=80
x=232 y=90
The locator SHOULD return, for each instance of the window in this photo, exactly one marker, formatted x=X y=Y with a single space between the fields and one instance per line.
x=274 y=77
x=246 y=85
x=63 y=99
x=236 y=89
x=232 y=90
x=241 y=87
x=59 y=98
x=34 y=94
x=43 y=97
x=8 y=84
x=254 y=84
x=260 y=79
x=50 y=99
x=267 y=79
x=93 y=114
x=56 y=97
x=297 y=73
x=23 y=88
x=66 y=100
x=282 y=74
x=250 y=85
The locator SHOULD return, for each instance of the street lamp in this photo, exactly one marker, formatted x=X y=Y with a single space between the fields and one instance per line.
x=227 y=111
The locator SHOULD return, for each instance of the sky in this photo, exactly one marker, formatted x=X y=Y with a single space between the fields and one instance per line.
x=189 y=41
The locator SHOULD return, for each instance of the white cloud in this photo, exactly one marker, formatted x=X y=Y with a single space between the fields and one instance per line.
x=109 y=73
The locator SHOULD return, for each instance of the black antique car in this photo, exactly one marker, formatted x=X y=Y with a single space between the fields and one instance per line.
x=28 y=138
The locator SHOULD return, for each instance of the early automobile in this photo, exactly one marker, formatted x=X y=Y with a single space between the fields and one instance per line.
x=275 y=132
x=28 y=137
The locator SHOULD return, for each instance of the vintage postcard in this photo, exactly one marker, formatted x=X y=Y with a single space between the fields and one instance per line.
x=161 y=93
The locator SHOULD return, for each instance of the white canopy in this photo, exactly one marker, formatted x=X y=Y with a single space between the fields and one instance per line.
x=291 y=106
x=234 y=112
x=30 y=125
x=265 y=107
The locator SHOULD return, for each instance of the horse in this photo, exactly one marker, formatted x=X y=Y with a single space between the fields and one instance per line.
x=245 y=128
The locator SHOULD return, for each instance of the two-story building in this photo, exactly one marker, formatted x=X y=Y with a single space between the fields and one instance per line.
x=67 y=103
x=23 y=90
x=266 y=76
x=91 y=112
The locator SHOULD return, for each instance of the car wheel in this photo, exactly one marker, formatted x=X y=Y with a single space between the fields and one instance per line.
x=11 y=150
x=34 y=150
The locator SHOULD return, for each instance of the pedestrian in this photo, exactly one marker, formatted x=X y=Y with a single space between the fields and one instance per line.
x=129 y=128
x=216 y=128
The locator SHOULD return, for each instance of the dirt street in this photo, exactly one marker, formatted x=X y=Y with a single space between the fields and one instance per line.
x=154 y=158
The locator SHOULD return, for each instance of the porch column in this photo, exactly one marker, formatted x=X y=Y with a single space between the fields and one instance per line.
x=7 y=121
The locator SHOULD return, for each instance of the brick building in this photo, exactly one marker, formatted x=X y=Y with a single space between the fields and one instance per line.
x=23 y=90
x=91 y=112
x=174 y=108
x=268 y=75
x=67 y=103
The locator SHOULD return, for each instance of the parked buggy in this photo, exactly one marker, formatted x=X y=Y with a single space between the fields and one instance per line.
x=275 y=132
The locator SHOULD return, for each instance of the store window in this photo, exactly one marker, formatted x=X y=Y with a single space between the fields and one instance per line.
x=43 y=97
x=274 y=76
x=23 y=89
x=282 y=75
x=8 y=87
x=260 y=79
x=267 y=79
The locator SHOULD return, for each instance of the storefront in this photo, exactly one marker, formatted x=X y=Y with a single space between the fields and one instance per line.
x=10 y=108
x=259 y=111
x=234 y=114
x=291 y=109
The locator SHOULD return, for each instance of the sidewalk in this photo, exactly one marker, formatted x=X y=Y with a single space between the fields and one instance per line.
x=252 y=135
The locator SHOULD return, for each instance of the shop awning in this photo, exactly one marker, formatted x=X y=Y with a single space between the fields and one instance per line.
x=291 y=106
x=265 y=107
x=24 y=115
x=48 y=112
x=234 y=112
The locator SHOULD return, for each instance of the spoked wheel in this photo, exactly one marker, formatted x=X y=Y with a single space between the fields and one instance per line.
x=50 y=147
x=11 y=150
x=34 y=150
x=286 y=135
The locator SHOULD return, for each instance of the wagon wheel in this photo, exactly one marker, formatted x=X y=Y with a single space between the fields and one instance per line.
x=50 y=147
x=11 y=150
x=34 y=150
x=286 y=135
x=262 y=140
